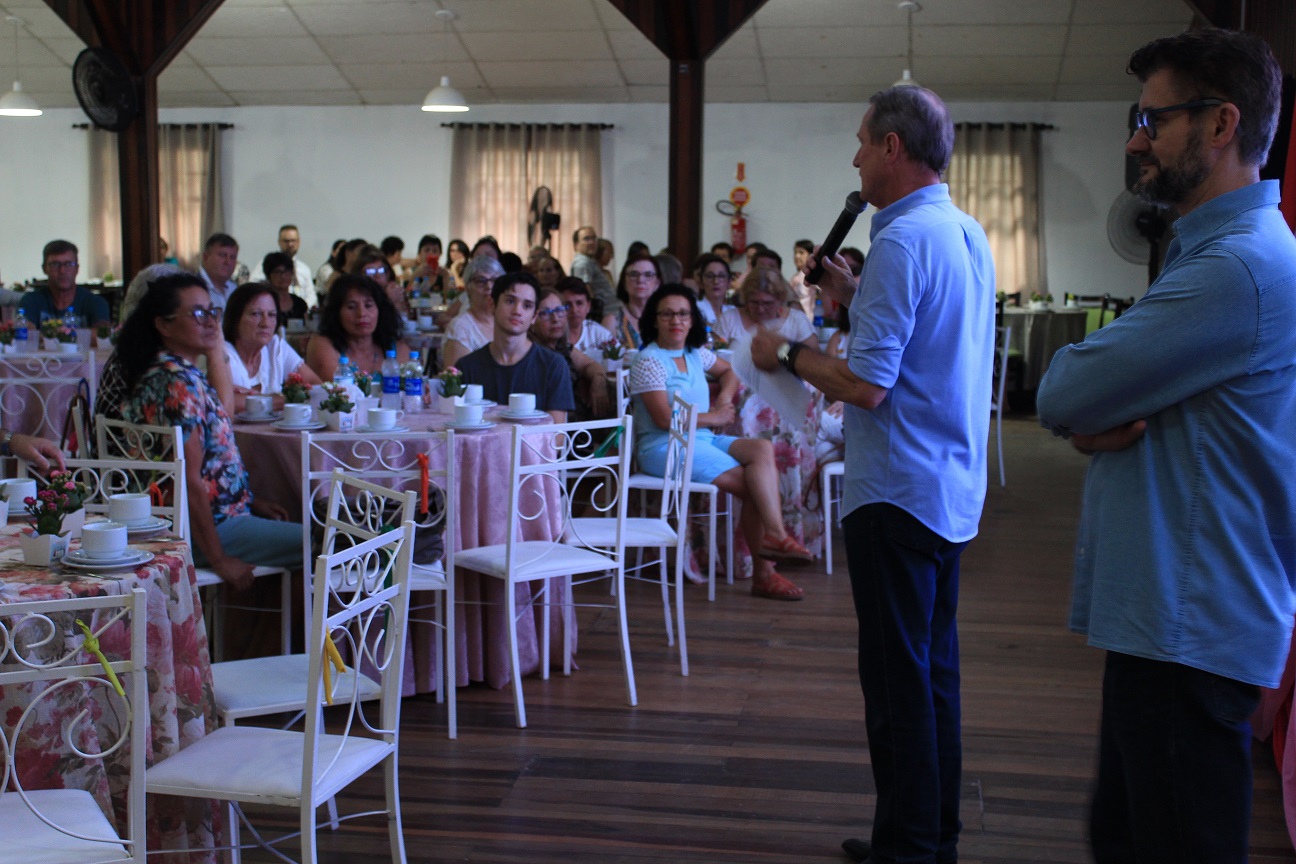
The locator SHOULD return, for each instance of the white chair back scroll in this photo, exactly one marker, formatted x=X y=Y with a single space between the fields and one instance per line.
x=42 y=650
x=36 y=389
x=360 y=600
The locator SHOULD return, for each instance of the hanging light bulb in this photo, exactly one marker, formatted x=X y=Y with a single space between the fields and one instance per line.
x=443 y=97
x=16 y=103
x=906 y=79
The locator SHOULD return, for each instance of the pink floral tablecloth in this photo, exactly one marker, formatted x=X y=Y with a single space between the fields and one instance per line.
x=181 y=705
x=482 y=458
x=1275 y=717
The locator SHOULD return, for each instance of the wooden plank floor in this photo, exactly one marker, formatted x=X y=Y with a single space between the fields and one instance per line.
x=760 y=754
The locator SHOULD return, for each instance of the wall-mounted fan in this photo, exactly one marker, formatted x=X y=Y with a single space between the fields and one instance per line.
x=105 y=89
x=1135 y=230
x=542 y=221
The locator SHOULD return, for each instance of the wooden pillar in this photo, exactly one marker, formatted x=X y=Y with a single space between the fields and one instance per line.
x=684 y=230
x=137 y=161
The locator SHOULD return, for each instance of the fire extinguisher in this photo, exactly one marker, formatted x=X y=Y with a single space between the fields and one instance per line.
x=738 y=232
x=739 y=197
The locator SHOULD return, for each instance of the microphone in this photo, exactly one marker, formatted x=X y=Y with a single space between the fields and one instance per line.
x=854 y=207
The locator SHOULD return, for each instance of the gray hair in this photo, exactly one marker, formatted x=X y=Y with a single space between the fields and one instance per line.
x=482 y=265
x=919 y=119
x=139 y=285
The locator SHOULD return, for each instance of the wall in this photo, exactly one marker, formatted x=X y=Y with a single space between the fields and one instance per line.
x=373 y=171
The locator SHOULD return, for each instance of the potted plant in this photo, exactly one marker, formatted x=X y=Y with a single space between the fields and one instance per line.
x=612 y=354
x=1039 y=302
x=337 y=410
x=449 y=384
x=59 y=336
x=295 y=390
x=48 y=540
x=6 y=337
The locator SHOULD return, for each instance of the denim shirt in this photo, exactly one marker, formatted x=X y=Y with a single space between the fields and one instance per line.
x=922 y=326
x=1187 y=542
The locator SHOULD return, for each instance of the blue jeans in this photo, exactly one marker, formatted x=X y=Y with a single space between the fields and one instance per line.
x=1174 y=765
x=260 y=542
x=904 y=578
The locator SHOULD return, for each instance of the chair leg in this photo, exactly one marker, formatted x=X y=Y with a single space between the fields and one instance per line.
x=729 y=537
x=715 y=544
x=665 y=592
x=680 y=546
x=308 y=827
x=544 y=628
x=332 y=813
x=825 y=490
x=231 y=819
x=568 y=625
x=632 y=694
x=394 y=830
x=510 y=605
x=999 y=435
x=285 y=612
x=451 y=667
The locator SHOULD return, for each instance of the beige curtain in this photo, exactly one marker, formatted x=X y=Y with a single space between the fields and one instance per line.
x=191 y=203
x=994 y=177
x=496 y=168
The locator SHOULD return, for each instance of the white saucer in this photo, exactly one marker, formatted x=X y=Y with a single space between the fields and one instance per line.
x=396 y=428
x=485 y=403
x=152 y=526
x=244 y=417
x=469 y=427
x=133 y=558
x=534 y=415
x=298 y=427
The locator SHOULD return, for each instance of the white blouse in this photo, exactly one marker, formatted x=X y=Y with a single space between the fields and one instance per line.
x=278 y=361
x=465 y=330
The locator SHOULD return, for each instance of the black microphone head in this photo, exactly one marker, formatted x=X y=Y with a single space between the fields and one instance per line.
x=854 y=204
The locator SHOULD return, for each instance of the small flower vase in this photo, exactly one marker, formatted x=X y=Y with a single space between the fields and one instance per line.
x=9 y=348
x=42 y=550
x=73 y=523
x=68 y=347
x=614 y=364
x=338 y=421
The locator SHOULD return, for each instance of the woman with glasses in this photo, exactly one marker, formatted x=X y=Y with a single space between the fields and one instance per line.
x=589 y=383
x=358 y=322
x=674 y=360
x=713 y=278
x=639 y=279
x=474 y=326
x=172 y=327
x=259 y=358
x=371 y=262
x=279 y=271
x=764 y=297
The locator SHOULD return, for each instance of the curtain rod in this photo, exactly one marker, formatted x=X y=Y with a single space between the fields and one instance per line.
x=529 y=125
x=1043 y=127
x=171 y=125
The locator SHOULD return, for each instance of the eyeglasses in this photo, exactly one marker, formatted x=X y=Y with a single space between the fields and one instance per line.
x=1147 y=118
x=552 y=311
x=481 y=281
x=284 y=271
x=374 y=271
x=61 y=265
x=715 y=277
x=761 y=304
x=638 y=276
x=202 y=316
x=678 y=315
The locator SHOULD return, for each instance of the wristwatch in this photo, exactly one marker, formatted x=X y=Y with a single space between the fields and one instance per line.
x=787 y=353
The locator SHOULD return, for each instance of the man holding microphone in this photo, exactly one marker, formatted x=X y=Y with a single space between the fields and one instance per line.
x=916 y=383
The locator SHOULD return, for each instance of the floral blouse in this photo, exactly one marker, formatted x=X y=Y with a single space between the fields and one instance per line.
x=173 y=392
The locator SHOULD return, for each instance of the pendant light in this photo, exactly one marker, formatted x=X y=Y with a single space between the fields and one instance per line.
x=16 y=103
x=443 y=97
x=906 y=79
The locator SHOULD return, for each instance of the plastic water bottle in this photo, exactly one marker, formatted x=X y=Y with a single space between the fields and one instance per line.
x=413 y=375
x=21 y=332
x=391 y=381
x=818 y=315
x=344 y=376
x=710 y=340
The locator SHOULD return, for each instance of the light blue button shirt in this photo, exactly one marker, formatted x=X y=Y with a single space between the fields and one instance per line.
x=1187 y=542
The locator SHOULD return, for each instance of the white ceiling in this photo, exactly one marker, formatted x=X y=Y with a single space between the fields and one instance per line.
x=390 y=52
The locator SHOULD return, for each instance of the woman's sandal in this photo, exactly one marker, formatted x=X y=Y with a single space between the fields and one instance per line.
x=776 y=587
x=787 y=549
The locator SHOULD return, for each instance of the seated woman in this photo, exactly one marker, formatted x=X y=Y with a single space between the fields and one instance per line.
x=713 y=278
x=279 y=269
x=639 y=279
x=474 y=326
x=371 y=262
x=763 y=301
x=586 y=335
x=358 y=322
x=173 y=325
x=589 y=382
x=259 y=358
x=342 y=262
x=673 y=360
x=547 y=270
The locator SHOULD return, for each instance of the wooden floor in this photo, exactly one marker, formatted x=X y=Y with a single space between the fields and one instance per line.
x=760 y=755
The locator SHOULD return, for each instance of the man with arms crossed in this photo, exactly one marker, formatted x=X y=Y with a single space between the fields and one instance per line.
x=586 y=266
x=1185 y=557
x=511 y=362
x=916 y=383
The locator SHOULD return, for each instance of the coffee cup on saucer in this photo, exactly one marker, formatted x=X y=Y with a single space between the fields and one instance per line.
x=473 y=394
x=468 y=414
x=18 y=489
x=425 y=322
x=521 y=403
x=103 y=540
x=258 y=407
x=383 y=419
x=130 y=508
x=296 y=414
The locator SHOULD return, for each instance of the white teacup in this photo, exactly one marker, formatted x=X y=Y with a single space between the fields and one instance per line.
x=296 y=414
x=4 y=511
x=425 y=322
x=130 y=508
x=258 y=405
x=103 y=540
x=18 y=489
x=473 y=394
x=384 y=418
x=468 y=415
x=522 y=403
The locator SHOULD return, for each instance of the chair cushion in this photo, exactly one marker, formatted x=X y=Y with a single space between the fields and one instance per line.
x=251 y=763
x=272 y=685
x=31 y=841
x=534 y=559
x=428 y=577
x=648 y=481
x=639 y=531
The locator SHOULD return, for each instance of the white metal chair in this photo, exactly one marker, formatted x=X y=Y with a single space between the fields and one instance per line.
x=1003 y=341
x=42 y=648
x=397 y=460
x=831 y=471
x=120 y=439
x=668 y=528
x=37 y=388
x=546 y=465
x=359 y=608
